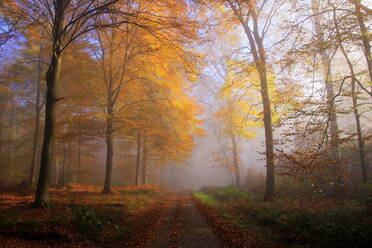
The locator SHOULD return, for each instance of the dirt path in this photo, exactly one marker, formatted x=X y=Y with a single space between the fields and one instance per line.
x=185 y=227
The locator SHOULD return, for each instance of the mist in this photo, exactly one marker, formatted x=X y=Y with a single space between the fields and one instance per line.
x=185 y=123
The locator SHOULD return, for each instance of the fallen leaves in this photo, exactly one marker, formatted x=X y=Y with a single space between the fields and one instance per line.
x=130 y=217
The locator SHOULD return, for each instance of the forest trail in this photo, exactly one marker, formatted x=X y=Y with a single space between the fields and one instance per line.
x=185 y=227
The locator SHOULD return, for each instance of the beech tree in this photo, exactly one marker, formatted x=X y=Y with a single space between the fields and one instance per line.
x=249 y=15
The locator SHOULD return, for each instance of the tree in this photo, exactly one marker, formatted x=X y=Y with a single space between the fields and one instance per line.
x=238 y=114
x=327 y=75
x=115 y=54
x=249 y=15
x=355 y=107
x=120 y=49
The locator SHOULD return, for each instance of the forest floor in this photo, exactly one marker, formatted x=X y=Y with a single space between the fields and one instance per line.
x=79 y=216
x=185 y=227
x=154 y=217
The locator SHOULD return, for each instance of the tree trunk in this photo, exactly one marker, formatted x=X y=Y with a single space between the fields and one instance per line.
x=138 y=161
x=110 y=116
x=326 y=65
x=355 y=101
x=365 y=39
x=10 y=145
x=110 y=148
x=53 y=172
x=63 y=176
x=37 y=116
x=144 y=162
x=52 y=77
x=79 y=156
x=68 y=179
x=259 y=56
x=269 y=140
x=1 y=132
x=125 y=156
x=236 y=162
x=359 y=132
x=162 y=175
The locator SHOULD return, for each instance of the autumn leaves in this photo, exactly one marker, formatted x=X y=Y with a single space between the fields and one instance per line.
x=134 y=72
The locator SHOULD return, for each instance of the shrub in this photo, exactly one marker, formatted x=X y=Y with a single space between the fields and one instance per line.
x=363 y=194
x=287 y=187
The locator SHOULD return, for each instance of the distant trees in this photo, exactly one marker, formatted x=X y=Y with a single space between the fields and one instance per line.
x=338 y=39
x=39 y=96
x=127 y=56
x=306 y=111
x=237 y=115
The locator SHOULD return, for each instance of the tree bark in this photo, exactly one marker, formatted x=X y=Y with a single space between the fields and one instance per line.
x=162 y=175
x=68 y=176
x=52 y=77
x=110 y=148
x=236 y=161
x=79 y=155
x=10 y=145
x=269 y=140
x=42 y=195
x=63 y=176
x=144 y=162
x=138 y=161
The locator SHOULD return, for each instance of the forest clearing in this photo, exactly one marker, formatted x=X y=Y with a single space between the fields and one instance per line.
x=185 y=123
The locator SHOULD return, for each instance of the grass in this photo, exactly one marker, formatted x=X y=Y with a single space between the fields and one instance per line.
x=229 y=194
x=221 y=195
x=207 y=199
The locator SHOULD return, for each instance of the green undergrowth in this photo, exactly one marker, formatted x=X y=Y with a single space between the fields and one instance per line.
x=339 y=226
x=207 y=199
x=344 y=224
x=228 y=194
x=99 y=225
